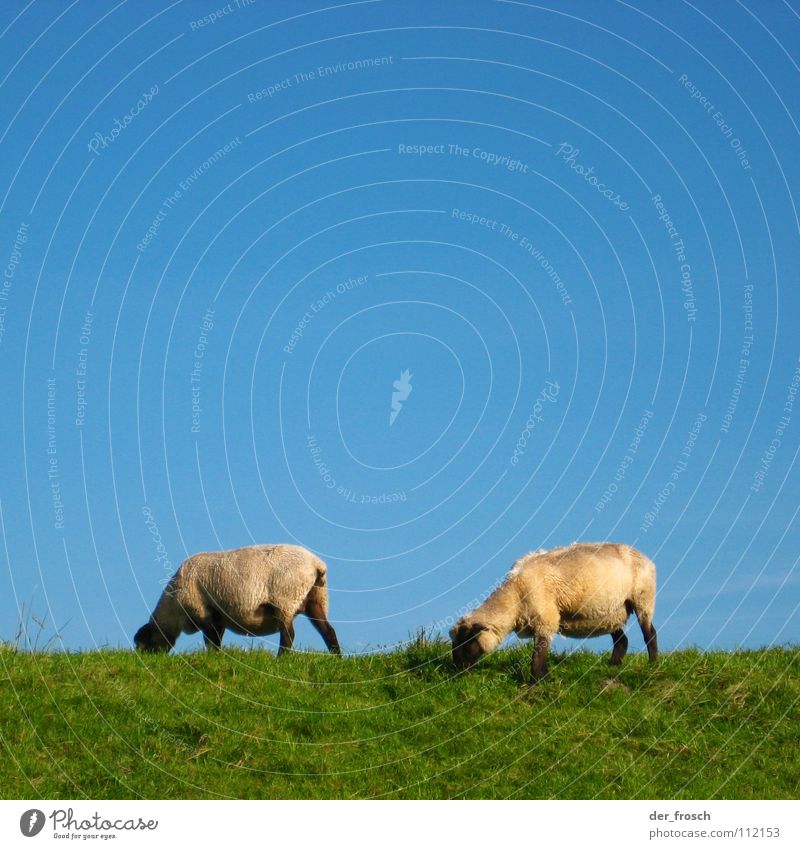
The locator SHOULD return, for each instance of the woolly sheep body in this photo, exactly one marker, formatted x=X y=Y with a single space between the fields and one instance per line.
x=582 y=590
x=255 y=591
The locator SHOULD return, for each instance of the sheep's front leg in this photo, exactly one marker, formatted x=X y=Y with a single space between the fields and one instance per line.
x=213 y=631
x=620 y=647
x=539 y=662
x=287 y=638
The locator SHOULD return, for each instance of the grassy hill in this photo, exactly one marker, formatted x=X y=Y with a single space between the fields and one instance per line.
x=245 y=724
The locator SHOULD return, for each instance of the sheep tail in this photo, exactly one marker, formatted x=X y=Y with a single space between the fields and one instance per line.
x=318 y=594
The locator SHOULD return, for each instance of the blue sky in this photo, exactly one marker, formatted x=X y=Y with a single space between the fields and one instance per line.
x=226 y=232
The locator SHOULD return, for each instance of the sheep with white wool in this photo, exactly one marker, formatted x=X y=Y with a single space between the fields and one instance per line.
x=254 y=591
x=582 y=590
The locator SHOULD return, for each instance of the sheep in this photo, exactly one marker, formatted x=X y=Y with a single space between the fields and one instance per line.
x=582 y=590
x=254 y=591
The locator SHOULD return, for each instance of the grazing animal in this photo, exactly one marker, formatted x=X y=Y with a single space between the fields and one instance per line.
x=582 y=590
x=253 y=591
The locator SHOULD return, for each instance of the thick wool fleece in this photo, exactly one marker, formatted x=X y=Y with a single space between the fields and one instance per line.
x=582 y=590
x=254 y=589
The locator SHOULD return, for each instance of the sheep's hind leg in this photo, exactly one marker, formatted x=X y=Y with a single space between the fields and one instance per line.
x=319 y=620
x=539 y=662
x=620 y=647
x=287 y=638
x=649 y=634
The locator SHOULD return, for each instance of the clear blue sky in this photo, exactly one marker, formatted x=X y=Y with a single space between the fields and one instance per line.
x=226 y=232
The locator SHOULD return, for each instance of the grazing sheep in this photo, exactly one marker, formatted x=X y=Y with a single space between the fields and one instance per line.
x=253 y=591
x=582 y=590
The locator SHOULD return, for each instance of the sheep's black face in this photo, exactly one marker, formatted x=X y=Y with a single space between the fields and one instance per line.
x=467 y=650
x=150 y=639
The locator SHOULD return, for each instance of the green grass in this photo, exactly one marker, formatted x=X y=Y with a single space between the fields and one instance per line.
x=399 y=725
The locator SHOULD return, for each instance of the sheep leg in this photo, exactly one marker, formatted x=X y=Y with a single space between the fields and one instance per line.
x=319 y=620
x=212 y=635
x=649 y=634
x=539 y=662
x=652 y=642
x=620 y=647
x=287 y=638
x=325 y=630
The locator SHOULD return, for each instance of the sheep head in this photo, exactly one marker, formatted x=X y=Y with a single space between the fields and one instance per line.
x=469 y=644
x=150 y=638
